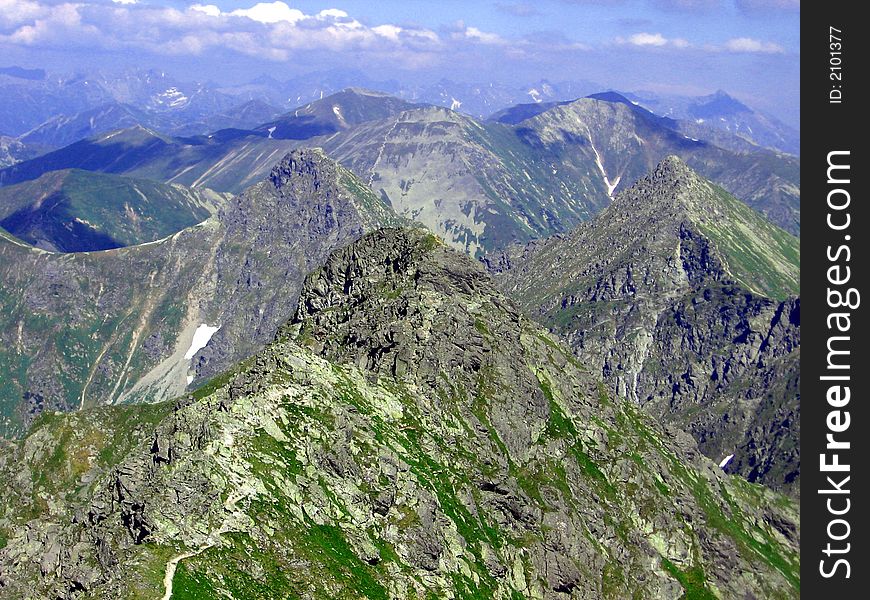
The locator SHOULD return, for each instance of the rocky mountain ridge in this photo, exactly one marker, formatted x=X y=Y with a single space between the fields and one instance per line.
x=683 y=299
x=118 y=325
x=408 y=434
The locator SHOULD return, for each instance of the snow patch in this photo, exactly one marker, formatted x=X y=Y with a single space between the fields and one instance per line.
x=535 y=94
x=725 y=461
x=111 y=135
x=455 y=104
x=84 y=222
x=189 y=379
x=201 y=337
x=172 y=97
x=607 y=182
x=271 y=130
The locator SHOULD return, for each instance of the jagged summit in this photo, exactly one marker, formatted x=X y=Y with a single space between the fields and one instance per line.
x=673 y=202
x=682 y=297
x=242 y=271
x=303 y=163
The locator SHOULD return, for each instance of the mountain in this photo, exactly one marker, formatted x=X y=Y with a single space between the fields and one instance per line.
x=408 y=434
x=520 y=112
x=482 y=99
x=143 y=322
x=63 y=130
x=81 y=211
x=628 y=142
x=22 y=73
x=480 y=185
x=33 y=102
x=246 y=115
x=478 y=99
x=683 y=300
x=335 y=113
x=722 y=111
x=14 y=151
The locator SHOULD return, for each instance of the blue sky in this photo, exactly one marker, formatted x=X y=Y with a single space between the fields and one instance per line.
x=750 y=48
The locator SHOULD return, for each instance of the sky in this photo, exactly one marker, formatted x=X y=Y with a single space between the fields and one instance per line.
x=749 y=48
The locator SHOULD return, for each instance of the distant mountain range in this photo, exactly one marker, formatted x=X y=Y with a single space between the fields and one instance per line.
x=721 y=111
x=53 y=109
x=480 y=184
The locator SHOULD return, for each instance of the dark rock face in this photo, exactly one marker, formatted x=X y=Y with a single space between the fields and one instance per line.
x=115 y=326
x=655 y=294
x=408 y=433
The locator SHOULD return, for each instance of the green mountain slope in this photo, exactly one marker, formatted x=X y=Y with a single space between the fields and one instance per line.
x=408 y=435
x=120 y=325
x=75 y=211
x=628 y=142
x=335 y=113
x=681 y=297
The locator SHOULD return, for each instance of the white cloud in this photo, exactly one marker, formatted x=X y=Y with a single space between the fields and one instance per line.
x=14 y=12
x=209 y=9
x=34 y=24
x=735 y=45
x=482 y=36
x=648 y=39
x=753 y=46
x=270 y=12
x=391 y=32
x=462 y=32
x=332 y=12
x=654 y=40
x=267 y=30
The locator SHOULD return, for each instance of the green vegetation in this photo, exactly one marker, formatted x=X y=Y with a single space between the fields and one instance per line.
x=761 y=256
x=75 y=210
x=693 y=581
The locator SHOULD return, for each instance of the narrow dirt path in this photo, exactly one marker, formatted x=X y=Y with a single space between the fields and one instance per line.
x=172 y=565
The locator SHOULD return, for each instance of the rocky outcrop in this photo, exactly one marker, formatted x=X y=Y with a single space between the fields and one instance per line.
x=669 y=294
x=408 y=433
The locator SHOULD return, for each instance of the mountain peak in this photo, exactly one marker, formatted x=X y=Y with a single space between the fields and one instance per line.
x=671 y=186
x=361 y=91
x=673 y=166
x=303 y=163
x=718 y=104
x=674 y=172
x=675 y=207
x=611 y=96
